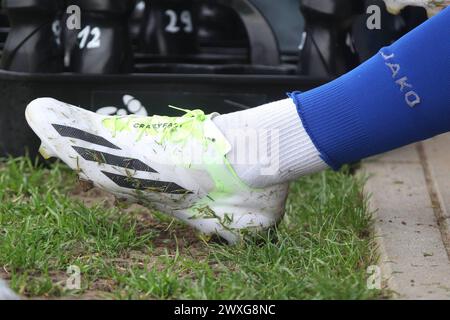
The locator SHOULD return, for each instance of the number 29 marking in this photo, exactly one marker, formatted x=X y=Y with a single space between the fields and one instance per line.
x=185 y=18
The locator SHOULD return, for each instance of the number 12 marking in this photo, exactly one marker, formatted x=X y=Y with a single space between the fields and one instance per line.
x=86 y=33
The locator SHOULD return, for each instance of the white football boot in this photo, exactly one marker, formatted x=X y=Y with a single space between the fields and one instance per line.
x=176 y=165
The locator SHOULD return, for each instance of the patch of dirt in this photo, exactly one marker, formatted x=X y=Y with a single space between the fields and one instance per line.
x=169 y=236
x=92 y=196
x=4 y=274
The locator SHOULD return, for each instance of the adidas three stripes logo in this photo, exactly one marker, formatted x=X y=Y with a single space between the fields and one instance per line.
x=118 y=161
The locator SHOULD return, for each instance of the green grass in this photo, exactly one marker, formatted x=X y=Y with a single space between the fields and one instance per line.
x=320 y=251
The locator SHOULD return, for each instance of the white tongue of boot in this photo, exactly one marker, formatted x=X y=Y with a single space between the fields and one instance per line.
x=432 y=6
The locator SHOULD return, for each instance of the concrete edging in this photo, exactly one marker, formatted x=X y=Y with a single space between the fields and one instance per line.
x=409 y=192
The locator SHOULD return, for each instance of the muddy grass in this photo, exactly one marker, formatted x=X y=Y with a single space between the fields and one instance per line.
x=148 y=223
x=168 y=241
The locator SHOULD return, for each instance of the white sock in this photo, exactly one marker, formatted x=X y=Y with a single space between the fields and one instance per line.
x=287 y=149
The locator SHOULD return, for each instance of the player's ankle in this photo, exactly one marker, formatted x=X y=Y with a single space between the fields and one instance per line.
x=270 y=144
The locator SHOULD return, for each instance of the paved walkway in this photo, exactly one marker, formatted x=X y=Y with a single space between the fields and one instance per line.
x=6 y=293
x=410 y=195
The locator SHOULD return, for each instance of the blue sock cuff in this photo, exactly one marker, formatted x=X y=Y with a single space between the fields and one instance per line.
x=295 y=96
x=399 y=96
